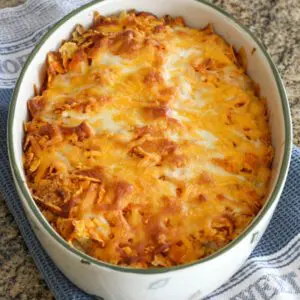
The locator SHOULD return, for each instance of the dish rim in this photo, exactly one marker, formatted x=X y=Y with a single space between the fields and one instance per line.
x=84 y=258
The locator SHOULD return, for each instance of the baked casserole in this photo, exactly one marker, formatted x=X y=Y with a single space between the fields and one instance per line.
x=148 y=145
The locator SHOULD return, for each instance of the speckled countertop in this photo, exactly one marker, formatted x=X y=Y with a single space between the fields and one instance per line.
x=275 y=22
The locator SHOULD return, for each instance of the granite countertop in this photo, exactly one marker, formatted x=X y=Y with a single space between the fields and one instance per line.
x=277 y=25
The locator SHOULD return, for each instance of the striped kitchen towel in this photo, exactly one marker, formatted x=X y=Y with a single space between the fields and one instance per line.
x=272 y=271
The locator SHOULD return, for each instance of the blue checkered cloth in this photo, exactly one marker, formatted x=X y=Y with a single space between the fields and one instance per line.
x=272 y=271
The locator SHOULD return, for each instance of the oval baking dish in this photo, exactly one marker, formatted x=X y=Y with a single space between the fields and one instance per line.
x=188 y=281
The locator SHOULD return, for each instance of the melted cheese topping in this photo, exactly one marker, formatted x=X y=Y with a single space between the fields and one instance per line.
x=149 y=145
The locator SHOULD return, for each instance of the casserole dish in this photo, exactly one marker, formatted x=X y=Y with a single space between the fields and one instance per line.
x=189 y=281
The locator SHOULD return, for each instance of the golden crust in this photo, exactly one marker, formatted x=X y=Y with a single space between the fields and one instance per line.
x=148 y=145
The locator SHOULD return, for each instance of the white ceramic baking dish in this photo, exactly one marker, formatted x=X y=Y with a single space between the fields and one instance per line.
x=185 y=282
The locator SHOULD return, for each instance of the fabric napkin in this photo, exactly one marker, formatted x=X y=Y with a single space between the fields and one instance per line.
x=272 y=271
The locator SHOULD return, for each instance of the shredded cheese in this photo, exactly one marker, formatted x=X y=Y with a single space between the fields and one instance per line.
x=148 y=146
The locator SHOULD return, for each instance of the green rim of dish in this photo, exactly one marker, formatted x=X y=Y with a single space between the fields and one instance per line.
x=88 y=259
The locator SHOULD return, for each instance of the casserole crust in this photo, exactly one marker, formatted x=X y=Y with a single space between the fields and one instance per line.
x=148 y=145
